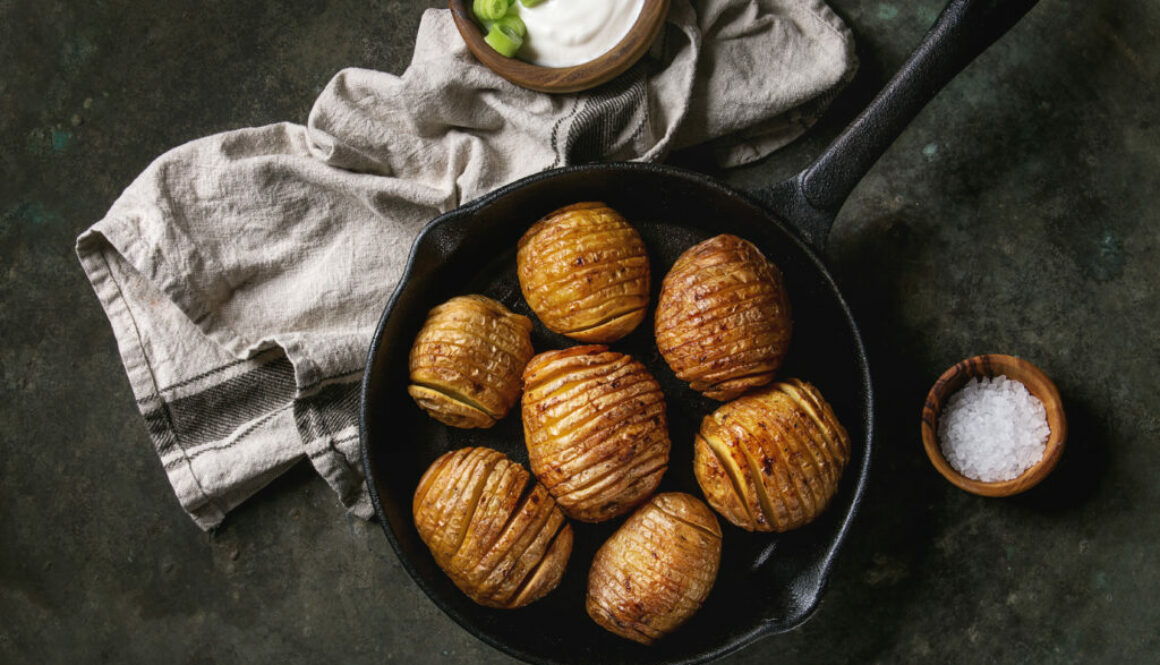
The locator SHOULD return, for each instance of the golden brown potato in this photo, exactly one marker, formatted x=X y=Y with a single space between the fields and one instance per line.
x=596 y=431
x=771 y=460
x=491 y=527
x=723 y=320
x=467 y=360
x=584 y=272
x=656 y=570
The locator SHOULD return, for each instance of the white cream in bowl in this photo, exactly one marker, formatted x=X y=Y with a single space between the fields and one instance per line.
x=564 y=33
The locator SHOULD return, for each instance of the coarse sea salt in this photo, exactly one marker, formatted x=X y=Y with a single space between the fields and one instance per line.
x=993 y=429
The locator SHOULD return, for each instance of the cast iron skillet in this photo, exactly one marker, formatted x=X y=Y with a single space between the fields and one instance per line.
x=767 y=583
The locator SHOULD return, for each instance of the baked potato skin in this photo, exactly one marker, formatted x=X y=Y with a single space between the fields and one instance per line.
x=584 y=271
x=771 y=460
x=723 y=321
x=656 y=570
x=491 y=527
x=596 y=430
x=467 y=361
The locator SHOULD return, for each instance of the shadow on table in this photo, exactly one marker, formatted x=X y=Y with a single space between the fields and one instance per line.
x=1081 y=469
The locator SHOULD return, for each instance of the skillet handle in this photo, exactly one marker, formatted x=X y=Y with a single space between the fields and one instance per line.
x=965 y=29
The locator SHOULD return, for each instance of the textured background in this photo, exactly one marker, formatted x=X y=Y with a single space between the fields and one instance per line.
x=1017 y=215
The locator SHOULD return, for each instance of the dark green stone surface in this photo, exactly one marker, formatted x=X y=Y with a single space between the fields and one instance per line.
x=1016 y=215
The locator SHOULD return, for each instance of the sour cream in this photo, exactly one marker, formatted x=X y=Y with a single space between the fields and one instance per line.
x=563 y=33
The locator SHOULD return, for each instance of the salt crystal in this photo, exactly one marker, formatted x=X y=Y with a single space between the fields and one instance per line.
x=993 y=429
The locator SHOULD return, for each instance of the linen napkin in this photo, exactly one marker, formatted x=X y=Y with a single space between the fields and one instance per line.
x=243 y=273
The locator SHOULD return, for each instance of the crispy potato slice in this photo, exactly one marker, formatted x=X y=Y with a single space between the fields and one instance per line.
x=723 y=319
x=656 y=570
x=771 y=460
x=467 y=360
x=584 y=272
x=491 y=527
x=596 y=430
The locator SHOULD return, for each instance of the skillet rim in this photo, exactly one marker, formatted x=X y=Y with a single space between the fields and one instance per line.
x=819 y=572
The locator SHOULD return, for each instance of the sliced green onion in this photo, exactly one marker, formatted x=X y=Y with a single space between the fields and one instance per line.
x=503 y=39
x=530 y=3
x=490 y=10
x=513 y=21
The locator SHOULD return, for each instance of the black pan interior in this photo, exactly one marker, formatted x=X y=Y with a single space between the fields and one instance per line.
x=767 y=583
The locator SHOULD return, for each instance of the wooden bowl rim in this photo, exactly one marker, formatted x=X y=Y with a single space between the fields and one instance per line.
x=564 y=79
x=1036 y=382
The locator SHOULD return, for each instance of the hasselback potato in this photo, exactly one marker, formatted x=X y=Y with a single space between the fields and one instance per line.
x=584 y=272
x=491 y=527
x=771 y=460
x=723 y=317
x=596 y=430
x=656 y=570
x=467 y=361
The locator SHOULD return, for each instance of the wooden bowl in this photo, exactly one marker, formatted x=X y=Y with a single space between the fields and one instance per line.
x=992 y=365
x=564 y=79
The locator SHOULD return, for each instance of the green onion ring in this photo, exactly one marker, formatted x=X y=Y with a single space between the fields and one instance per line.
x=503 y=39
x=513 y=21
x=489 y=10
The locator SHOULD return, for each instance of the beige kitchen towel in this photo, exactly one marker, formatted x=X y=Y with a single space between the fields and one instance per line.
x=243 y=273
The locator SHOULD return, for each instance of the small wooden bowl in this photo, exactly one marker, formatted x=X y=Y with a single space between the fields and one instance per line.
x=992 y=365
x=564 y=79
